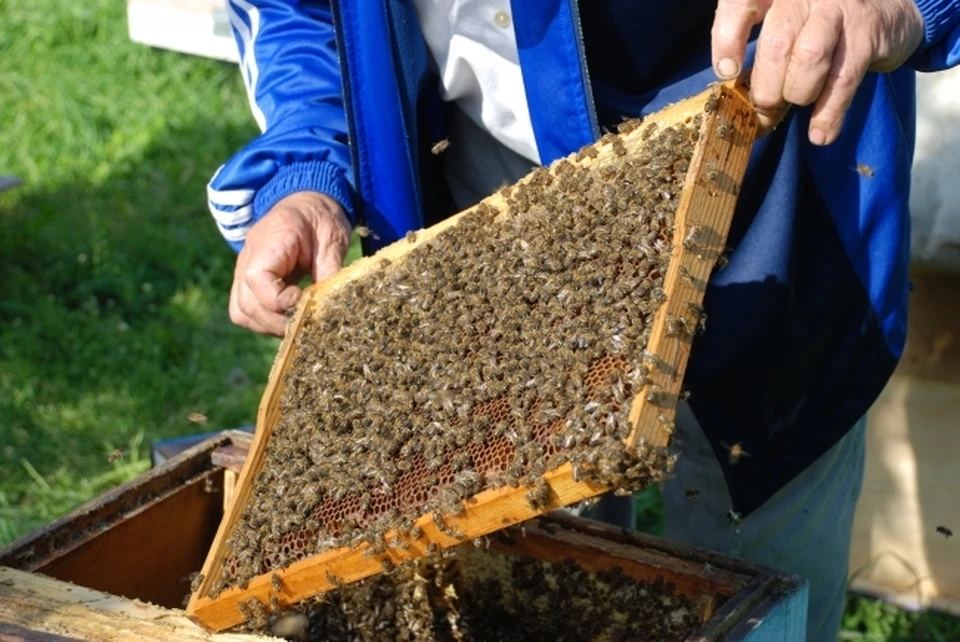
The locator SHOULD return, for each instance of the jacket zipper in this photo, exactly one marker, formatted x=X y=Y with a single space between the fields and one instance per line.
x=584 y=72
x=348 y=110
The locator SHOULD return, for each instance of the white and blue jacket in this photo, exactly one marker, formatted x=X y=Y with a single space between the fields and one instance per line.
x=805 y=324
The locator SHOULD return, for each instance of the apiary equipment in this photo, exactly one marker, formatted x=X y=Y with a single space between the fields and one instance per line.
x=117 y=567
x=722 y=125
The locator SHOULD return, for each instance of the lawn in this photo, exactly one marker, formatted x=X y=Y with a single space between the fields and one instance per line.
x=114 y=280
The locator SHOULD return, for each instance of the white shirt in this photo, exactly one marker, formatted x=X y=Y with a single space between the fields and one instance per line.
x=474 y=48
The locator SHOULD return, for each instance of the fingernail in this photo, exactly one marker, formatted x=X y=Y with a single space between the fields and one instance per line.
x=818 y=137
x=727 y=68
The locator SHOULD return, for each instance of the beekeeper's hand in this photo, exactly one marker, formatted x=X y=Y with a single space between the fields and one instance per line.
x=305 y=233
x=813 y=52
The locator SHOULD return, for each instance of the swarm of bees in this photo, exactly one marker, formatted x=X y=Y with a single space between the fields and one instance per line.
x=464 y=597
x=501 y=349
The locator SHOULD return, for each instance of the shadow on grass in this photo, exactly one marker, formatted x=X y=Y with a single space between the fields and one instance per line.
x=113 y=319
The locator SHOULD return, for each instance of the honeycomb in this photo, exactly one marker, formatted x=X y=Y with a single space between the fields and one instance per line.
x=481 y=594
x=503 y=348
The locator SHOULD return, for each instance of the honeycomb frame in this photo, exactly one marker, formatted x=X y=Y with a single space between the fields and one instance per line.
x=728 y=128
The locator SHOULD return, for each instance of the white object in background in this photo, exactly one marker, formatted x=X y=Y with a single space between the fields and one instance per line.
x=935 y=193
x=198 y=27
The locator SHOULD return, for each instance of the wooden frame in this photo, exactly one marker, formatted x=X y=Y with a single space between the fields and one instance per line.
x=707 y=202
x=737 y=601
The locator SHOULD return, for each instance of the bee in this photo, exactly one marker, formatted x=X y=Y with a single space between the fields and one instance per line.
x=411 y=237
x=713 y=172
x=335 y=581
x=946 y=532
x=363 y=232
x=115 y=455
x=711 y=104
x=723 y=128
x=276 y=582
x=734 y=517
x=628 y=125
x=197 y=418
x=864 y=170
x=587 y=152
x=440 y=146
x=736 y=452
x=692 y=493
x=195 y=582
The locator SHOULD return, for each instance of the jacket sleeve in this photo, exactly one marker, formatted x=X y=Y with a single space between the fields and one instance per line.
x=289 y=63
x=941 y=42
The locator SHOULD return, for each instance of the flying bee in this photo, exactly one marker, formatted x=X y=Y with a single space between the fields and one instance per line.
x=692 y=493
x=197 y=418
x=734 y=517
x=440 y=146
x=864 y=170
x=363 y=232
x=946 y=532
x=736 y=452
x=115 y=455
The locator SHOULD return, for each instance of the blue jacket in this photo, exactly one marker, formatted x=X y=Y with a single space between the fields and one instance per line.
x=805 y=324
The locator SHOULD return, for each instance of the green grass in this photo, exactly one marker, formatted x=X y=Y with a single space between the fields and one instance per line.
x=114 y=280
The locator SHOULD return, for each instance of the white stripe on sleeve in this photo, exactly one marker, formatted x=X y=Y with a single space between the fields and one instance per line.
x=248 y=61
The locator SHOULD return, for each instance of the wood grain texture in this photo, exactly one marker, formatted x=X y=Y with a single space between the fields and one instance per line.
x=727 y=132
x=702 y=224
x=35 y=607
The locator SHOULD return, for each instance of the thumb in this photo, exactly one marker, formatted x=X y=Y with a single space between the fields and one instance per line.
x=731 y=29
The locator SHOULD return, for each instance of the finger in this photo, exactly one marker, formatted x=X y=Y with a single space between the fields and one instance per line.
x=238 y=316
x=774 y=47
x=845 y=75
x=732 y=24
x=256 y=316
x=812 y=55
x=265 y=276
x=769 y=119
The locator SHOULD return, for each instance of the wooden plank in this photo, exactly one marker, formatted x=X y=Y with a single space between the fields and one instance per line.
x=701 y=227
x=150 y=553
x=728 y=129
x=596 y=554
x=911 y=471
x=36 y=607
x=78 y=526
x=933 y=337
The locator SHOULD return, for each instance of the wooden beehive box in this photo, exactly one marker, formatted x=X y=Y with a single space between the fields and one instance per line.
x=93 y=574
x=723 y=126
